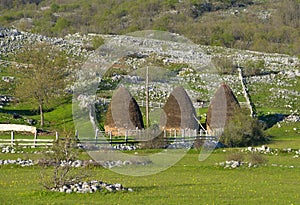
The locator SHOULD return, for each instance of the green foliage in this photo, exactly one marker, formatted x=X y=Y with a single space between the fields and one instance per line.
x=224 y=65
x=54 y=7
x=61 y=26
x=236 y=156
x=256 y=159
x=201 y=21
x=252 y=68
x=243 y=130
x=43 y=75
x=97 y=41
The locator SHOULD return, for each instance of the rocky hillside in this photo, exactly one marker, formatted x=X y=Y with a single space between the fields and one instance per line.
x=272 y=79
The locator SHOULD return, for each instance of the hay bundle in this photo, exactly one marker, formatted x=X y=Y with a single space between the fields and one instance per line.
x=123 y=113
x=222 y=107
x=179 y=112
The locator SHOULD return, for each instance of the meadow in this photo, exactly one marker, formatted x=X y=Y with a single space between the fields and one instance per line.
x=188 y=182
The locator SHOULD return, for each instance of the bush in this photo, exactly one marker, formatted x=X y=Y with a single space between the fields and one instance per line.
x=97 y=42
x=253 y=68
x=224 y=65
x=63 y=150
x=243 y=130
x=256 y=159
x=235 y=157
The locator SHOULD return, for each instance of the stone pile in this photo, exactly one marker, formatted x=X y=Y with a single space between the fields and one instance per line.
x=4 y=100
x=8 y=149
x=21 y=162
x=233 y=164
x=292 y=118
x=263 y=150
x=119 y=163
x=297 y=154
x=124 y=147
x=91 y=187
x=107 y=164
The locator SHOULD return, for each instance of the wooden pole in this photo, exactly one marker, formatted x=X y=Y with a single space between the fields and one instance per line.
x=96 y=136
x=12 y=138
x=35 y=138
x=147 y=97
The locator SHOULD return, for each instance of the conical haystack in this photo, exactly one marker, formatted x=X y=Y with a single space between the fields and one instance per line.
x=179 y=112
x=222 y=107
x=123 y=113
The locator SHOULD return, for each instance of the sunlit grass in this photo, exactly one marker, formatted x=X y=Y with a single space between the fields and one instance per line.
x=187 y=182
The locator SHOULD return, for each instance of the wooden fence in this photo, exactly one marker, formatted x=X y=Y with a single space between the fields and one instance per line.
x=156 y=104
x=34 y=142
x=131 y=137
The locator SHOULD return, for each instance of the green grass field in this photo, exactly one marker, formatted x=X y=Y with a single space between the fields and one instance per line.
x=188 y=182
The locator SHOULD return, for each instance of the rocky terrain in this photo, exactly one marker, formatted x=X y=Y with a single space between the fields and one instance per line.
x=275 y=86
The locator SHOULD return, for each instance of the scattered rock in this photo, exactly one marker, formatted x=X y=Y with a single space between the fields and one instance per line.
x=91 y=187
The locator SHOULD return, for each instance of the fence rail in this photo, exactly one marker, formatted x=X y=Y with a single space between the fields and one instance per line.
x=142 y=103
x=131 y=137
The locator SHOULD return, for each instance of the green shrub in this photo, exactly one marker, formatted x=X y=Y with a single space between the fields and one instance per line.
x=237 y=156
x=224 y=65
x=256 y=159
x=243 y=130
x=97 y=41
x=252 y=68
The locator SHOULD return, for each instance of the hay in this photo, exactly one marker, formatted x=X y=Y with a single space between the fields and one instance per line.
x=123 y=113
x=222 y=107
x=179 y=112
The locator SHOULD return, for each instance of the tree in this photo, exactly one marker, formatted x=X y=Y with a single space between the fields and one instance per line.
x=43 y=75
x=63 y=153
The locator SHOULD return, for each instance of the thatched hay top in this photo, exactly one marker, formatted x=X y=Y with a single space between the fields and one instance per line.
x=123 y=112
x=222 y=107
x=179 y=112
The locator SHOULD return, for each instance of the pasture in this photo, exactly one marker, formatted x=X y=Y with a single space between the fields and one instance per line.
x=188 y=182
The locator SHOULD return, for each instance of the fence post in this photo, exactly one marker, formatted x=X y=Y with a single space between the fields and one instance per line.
x=96 y=136
x=126 y=133
x=175 y=134
x=165 y=133
x=35 y=139
x=12 y=138
x=56 y=136
x=76 y=134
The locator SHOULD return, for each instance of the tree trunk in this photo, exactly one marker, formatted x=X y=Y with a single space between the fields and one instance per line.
x=41 y=114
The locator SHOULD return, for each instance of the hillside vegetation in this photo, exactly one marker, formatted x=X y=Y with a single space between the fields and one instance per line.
x=262 y=25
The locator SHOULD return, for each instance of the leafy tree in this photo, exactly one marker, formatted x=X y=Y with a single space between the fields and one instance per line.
x=43 y=75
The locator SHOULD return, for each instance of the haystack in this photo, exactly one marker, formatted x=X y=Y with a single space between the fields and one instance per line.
x=123 y=113
x=222 y=107
x=179 y=112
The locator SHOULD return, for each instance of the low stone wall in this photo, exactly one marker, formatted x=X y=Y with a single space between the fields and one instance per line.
x=17 y=128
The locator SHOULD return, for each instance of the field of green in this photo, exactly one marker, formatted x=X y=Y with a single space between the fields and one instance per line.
x=188 y=182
